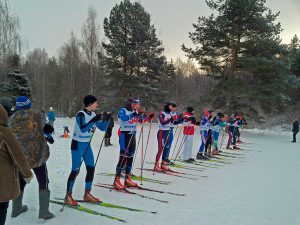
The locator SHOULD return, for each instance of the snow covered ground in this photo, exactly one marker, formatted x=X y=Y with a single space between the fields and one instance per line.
x=260 y=186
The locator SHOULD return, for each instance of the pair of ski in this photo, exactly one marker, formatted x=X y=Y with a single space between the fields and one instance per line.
x=147 y=189
x=172 y=173
x=139 y=178
x=125 y=190
x=79 y=207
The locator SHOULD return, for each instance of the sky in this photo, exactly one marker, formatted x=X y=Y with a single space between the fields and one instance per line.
x=48 y=23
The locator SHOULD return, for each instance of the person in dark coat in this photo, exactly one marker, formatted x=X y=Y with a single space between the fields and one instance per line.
x=108 y=133
x=13 y=161
x=295 y=130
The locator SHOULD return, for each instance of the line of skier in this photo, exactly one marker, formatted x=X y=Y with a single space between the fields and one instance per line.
x=87 y=121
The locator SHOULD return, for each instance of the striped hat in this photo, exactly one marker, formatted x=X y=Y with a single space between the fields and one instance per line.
x=23 y=102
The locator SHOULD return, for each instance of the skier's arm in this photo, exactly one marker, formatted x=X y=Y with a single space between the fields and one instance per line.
x=49 y=138
x=122 y=115
x=102 y=125
x=83 y=126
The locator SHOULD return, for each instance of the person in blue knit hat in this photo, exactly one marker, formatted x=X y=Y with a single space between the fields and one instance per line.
x=29 y=127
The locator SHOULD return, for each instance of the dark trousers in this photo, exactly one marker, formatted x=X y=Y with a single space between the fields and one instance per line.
x=41 y=174
x=108 y=132
x=127 y=151
x=294 y=135
x=3 y=212
x=208 y=141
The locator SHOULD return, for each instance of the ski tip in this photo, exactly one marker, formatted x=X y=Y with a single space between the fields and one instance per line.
x=154 y=212
x=121 y=220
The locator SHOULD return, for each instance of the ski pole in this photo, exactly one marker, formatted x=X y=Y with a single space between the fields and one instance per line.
x=138 y=144
x=177 y=141
x=182 y=143
x=102 y=142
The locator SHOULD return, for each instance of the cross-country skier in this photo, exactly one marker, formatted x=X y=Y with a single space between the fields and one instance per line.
x=86 y=123
x=204 y=127
x=189 y=122
x=128 y=117
x=209 y=139
x=218 y=124
x=166 y=119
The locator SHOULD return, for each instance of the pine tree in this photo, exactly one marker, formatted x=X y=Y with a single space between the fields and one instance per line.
x=242 y=47
x=134 y=57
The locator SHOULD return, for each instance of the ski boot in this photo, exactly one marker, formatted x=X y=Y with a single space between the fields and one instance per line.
x=118 y=185
x=88 y=197
x=201 y=156
x=157 y=168
x=164 y=167
x=236 y=147
x=169 y=162
x=69 y=199
x=214 y=152
x=128 y=182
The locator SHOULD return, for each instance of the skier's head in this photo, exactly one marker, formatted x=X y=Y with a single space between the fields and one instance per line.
x=173 y=106
x=168 y=107
x=133 y=103
x=22 y=102
x=206 y=113
x=190 y=109
x=90 y=102
x=212 y=113
x=51 y=108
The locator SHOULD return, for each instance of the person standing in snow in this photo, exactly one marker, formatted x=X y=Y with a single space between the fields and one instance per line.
x=85 y=125
x=189 y=123
x=204 y=127
x=217 y=125
x=128 y=117
x=166 y=119
x=108 y=133
x=12 y=160
x=209 y=139
x=51 y=116
x=28 y=125
x=295 y=129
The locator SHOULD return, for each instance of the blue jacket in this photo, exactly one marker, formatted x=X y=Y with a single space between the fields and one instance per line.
x=51 y=116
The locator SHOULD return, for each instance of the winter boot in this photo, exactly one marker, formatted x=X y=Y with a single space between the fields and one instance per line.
x=88 y=197
x=201 y=156
x=157 y=168
x=44 y=196
x=164 y=167
x=106 y=142
x=110 y=144
x=128 y=182
x=17 y=206
x=69 y=199
x=118 y=185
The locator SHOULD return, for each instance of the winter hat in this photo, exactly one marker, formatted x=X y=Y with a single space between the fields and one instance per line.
x=51 y=108
x=89 y=100
x=167 y=106
x=130 y=101
x=22 y=102
x=189 y=109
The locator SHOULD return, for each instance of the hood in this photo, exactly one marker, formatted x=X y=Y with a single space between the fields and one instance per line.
x=3 y=117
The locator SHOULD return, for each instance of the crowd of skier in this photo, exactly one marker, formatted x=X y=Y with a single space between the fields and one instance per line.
x=25 y=133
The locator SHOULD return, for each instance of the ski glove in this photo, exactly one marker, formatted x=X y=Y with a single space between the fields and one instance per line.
x=151 y=115
x=97 y=118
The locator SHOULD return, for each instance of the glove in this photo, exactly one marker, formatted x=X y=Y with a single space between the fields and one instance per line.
x=192 y=119
x=141 y=112
x=97 y=118
x=171 y=120
x=151 y=115
x=28 y=179
x=48 y=129
x=135 y=113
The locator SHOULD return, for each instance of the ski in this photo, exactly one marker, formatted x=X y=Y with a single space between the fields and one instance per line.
x=87 y=210
x=114 y=206
x=201 y=163
x=152 y=190
x=138 y=178
x=182 y=167
x=175 y=174
x=110 y=187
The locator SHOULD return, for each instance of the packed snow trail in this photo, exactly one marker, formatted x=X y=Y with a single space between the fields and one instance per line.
x=260 y=186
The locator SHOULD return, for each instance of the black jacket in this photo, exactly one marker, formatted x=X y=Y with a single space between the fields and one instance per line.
x=295 y=126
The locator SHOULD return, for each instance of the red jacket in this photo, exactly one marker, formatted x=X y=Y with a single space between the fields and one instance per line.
x=188 y=127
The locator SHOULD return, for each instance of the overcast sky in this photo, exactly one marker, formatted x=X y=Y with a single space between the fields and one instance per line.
x=48 y=23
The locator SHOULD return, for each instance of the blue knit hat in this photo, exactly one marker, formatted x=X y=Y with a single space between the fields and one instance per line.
x=23 y=102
